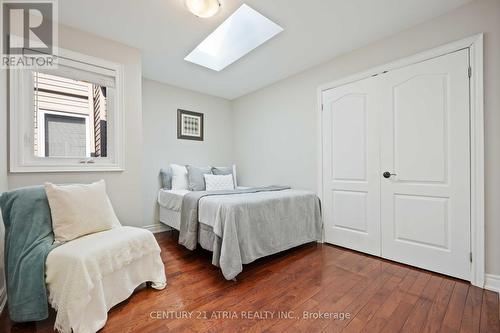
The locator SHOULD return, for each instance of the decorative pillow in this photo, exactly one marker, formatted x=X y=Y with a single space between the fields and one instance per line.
x=166 y=179
x=179 y=177
x=226 y=171
x=79 y=210
x=219 y=182
x=195 y=177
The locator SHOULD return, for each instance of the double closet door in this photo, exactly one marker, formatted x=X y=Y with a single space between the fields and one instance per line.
x=396 y=165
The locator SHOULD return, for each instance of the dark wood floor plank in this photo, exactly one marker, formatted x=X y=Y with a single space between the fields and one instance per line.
x=332 y=292
x=472 y=312
x=489 y=313
x=281 y=300
x=453 y=318
x=376 y=294
x=407 y=304
x=363 y=298
x=330 y=299
x=420 y=311
x=396 y=307
x=439 y=307
x=371 y=307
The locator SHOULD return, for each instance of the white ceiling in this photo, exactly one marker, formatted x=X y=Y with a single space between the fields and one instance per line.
x=315 y=31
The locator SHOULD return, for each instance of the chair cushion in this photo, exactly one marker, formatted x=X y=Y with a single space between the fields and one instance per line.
x=115 y=246
x=79 y=209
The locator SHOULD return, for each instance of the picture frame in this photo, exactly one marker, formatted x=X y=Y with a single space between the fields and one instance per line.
x=190 y=125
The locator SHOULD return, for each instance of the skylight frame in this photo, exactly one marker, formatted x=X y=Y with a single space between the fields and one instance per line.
x=241 y=33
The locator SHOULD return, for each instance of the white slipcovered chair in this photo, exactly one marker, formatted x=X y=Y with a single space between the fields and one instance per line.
x=89 y=275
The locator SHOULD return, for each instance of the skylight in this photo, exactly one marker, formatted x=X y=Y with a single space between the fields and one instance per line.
x=239 y=34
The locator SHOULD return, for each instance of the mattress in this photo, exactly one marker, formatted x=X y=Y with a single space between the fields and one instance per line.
x=171 y=199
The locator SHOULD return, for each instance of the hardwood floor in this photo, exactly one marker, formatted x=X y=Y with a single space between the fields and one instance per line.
x=377 y=295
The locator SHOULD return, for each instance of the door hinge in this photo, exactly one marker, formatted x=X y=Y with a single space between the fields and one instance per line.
x=321 y=107
x=470 y=72
x=470 y=256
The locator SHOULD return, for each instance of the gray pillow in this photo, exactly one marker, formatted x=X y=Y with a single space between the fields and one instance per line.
x=222 y=171
x=196 y=180
x=166 y=179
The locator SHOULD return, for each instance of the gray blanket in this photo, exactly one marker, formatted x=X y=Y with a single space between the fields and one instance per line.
x=253 y=223
x=28 y=241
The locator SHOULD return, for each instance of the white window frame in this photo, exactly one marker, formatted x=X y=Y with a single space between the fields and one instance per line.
x=21 y=90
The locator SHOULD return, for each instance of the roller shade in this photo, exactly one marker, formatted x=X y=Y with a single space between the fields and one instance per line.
x=83 y=72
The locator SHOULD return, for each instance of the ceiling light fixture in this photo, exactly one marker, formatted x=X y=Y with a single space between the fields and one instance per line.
x=203 y=8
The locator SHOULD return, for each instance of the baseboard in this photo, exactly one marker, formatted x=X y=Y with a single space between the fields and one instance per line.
x=156 y=228
x=3 y=298
x=492 y=282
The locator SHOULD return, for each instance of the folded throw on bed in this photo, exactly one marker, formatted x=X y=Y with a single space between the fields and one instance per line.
x=28 y=241
x=188 y=233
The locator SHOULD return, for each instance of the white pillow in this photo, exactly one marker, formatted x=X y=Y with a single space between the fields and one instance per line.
x=233 y=170
x=79 y=210
x=219 y=182
x=179 y=177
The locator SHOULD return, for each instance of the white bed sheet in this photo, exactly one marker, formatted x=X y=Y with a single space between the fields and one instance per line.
x=171 y=199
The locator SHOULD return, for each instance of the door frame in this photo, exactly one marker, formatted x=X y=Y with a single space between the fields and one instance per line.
x=475 y=46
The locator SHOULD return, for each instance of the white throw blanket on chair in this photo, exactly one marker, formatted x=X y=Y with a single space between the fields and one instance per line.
x=89 y=275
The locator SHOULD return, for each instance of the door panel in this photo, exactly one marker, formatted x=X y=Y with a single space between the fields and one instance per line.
x=351 y=208
x=422 y=220
x=349 y=125
x=420 y=112
x=425 y=207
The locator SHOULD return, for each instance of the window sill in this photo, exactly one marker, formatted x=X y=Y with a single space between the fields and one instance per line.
x=56 y=169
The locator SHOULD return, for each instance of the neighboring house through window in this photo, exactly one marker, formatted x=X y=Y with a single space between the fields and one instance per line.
x=70 y=117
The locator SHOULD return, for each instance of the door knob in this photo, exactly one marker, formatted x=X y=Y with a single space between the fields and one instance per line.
x=387 y=174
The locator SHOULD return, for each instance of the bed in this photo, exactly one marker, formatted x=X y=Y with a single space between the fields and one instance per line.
x=242 y=225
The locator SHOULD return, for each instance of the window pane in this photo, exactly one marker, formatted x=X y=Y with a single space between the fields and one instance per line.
x=70 y=118
x=65 y=136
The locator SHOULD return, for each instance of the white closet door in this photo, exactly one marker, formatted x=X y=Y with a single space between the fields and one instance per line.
x=425 y=142
x=351 y=160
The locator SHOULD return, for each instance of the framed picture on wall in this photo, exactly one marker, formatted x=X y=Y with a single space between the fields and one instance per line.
x=189 y=125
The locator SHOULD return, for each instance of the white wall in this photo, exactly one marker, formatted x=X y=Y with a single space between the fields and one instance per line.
x=276 y=127
x=161 y=146
x=122 y=186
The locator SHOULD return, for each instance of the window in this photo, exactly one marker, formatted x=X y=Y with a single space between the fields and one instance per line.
x=67 y=119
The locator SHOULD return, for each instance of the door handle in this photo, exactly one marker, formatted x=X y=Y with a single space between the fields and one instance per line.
x=387 y=174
